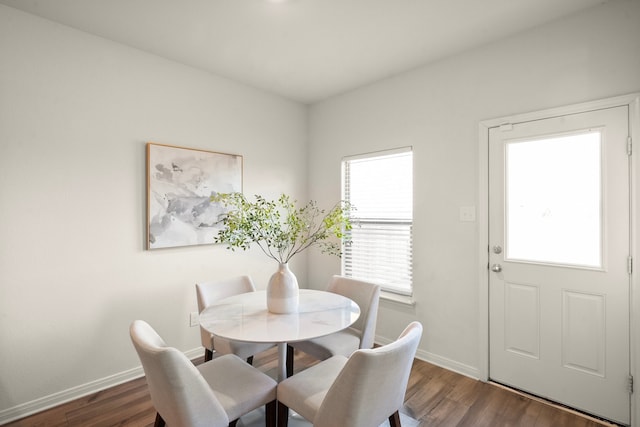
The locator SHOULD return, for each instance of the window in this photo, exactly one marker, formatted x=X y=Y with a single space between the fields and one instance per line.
x=557 y=217
x=380 y=187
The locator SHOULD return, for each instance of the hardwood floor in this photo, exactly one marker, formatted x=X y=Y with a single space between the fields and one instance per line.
x=435 y=396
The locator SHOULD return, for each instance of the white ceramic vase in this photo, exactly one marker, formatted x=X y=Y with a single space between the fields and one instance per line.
x=282 y=291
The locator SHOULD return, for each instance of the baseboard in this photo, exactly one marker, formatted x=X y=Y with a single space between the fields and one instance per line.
x=443 y=362
x=451 y=365
x=73 y=393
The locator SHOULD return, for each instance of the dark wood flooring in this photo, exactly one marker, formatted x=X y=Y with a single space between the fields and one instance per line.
x=435 y=396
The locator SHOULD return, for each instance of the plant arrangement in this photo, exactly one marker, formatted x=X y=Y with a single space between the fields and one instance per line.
x=279 y=227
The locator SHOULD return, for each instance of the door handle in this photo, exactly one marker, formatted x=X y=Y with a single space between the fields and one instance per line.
x=496 y=268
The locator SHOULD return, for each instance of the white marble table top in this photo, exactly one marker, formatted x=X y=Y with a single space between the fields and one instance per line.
x=245 y=317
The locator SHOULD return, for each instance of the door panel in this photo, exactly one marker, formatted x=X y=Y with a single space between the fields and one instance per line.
x=558 y=283
x=522 y=320
x=583 y=332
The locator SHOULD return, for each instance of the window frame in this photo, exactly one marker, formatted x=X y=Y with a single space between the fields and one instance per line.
x=402 y=293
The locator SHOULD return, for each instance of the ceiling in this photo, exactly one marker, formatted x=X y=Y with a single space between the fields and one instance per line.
x=304 y=50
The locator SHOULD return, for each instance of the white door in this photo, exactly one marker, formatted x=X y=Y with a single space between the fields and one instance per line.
x=558 y=262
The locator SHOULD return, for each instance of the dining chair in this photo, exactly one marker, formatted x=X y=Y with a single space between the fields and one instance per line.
x=359 y=335
x=213 y=394
x=211 y=292
x=363 y=390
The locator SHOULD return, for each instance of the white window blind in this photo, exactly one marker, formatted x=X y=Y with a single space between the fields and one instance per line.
x=380 y=187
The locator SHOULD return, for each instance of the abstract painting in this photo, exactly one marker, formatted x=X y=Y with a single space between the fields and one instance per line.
x=180 y=182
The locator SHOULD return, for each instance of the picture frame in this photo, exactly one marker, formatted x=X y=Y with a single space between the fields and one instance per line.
x=180 y=182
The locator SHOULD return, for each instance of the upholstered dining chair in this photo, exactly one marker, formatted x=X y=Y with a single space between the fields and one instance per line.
x=363 y=390
x=360 y=335
x=208 y=293
x=213 y=394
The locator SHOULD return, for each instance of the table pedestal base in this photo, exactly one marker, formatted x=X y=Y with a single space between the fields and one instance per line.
x=282 y=361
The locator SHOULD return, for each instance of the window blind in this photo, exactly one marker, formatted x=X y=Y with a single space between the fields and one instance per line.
x=380 y=187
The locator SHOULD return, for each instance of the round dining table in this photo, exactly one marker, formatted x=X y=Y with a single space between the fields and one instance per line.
x=244 y=317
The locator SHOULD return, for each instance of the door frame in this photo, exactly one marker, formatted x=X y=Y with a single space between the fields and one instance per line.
x=633 y=102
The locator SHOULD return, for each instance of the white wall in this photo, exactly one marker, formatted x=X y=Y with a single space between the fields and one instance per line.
x=437 y=110
x=75 y=114
x=76 y=111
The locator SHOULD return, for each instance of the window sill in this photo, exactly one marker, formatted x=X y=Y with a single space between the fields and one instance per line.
x=399 y=299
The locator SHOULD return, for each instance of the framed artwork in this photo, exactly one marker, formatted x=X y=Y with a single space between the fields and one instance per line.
x=180 y=182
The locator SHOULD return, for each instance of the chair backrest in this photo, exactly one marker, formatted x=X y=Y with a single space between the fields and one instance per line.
x=208 y=293
x=178 y=391
x=367 y=296
x=372 y=384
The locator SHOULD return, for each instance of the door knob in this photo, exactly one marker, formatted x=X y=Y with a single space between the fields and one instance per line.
x=496 y=268
x=497 y=249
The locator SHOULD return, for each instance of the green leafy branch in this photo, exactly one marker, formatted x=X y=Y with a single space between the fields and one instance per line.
x=278 y=227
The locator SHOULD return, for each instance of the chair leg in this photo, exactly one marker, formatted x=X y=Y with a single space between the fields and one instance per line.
x=159 y=421
x=208 y=355
x=289 y=363
x=250 y=360
x=394 y=419
x=270 y=413
x=283 y=415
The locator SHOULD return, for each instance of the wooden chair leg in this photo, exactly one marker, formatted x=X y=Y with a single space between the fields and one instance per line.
x=289 y=363
x=270 y=413
x=250 y=360
x=283 y=415
x=394 y=419
x=159 y=421
x=208 y=355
